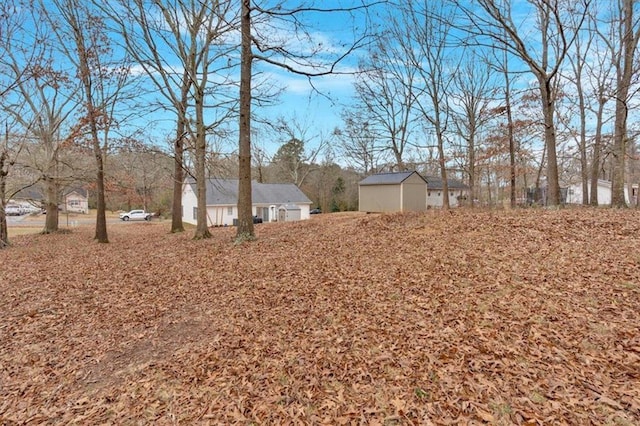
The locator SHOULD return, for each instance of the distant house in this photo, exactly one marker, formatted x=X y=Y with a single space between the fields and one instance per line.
x=76 y=201
x=271 y=202
x=574 y=193
x=29 y=197
x=458 y=192
x=392 y=192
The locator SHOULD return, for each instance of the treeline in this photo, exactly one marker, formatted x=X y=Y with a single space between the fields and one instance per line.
x=504 y=95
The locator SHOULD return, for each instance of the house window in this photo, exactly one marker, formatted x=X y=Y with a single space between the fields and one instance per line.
x=74 y=203
x=230 y=211
x=439 y=194
x=195 y=213
x=429 y=193
x=451 y=194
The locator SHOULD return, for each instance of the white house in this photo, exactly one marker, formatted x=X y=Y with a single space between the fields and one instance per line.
x=458 y=192
x=76 y=201
x=271 y=202
x=574 y=193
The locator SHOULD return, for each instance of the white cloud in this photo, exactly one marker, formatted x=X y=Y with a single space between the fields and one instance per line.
x=330 y=85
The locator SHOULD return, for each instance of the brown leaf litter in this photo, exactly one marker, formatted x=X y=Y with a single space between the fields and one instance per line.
x=506 y=317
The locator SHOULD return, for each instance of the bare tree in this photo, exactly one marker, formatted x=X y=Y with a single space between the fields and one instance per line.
x=578 y=60
x=297 y=156
x=245 y=230
x=424 y=36
x=5 y=165
x=43 y=104
x=602 y=94
x=557 y=24
x=85 y=42
x=279 y=52
x=601 y=87
x=510 y=131
x=10 y=28
x=472 y=95
x=10 y=148
x=359 y=144
x=181 y=45
x=624 y=49
x=385 y=96
x=139 y=175
x=12 y=16
x=260 y=159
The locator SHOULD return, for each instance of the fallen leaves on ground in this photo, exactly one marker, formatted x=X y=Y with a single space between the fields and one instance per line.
x=503 y=317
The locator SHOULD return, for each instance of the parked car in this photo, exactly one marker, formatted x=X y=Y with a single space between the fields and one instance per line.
x=135 y=215
x=315 y=211
x=31 y=209
x=13 y=210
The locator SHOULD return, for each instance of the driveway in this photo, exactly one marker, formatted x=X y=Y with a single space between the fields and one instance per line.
x=12 y=220
x=63 y=220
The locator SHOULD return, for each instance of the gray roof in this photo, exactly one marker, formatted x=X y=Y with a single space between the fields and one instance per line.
x=388 y=178
x=435 y=182
x=31 y=193
x=225 y=192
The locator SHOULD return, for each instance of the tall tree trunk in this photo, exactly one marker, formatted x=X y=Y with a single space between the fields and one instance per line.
x=51 y=205
x=441 y=158
x=472 y=169
x=178 y=179
x=619 y=153
x=178 y=157
x=512 y=142
x=597 y=149
x=540 y=169
x=625 y=72
x=245 y=229
x=512 y=160
x=397 y=152
x=92 y=112
x=443 y=175
x=101 y=205
x=584 y=167
x=4 y=232
x=548 y=110
x=202 y=225
x=577 y=61
x=489 y=189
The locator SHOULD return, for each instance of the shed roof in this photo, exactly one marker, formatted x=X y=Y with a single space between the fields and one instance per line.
x=225 y=192
x=435 y=182
x=388 y=178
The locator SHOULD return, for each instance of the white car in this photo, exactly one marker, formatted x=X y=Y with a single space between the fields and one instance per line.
x=135 y=215
x=13 y=210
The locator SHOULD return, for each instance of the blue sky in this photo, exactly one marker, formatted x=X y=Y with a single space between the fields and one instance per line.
x=315 y=103
x=319 y=112
x=298 y=100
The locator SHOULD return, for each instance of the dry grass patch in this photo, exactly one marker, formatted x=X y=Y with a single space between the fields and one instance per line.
x=23 y=230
